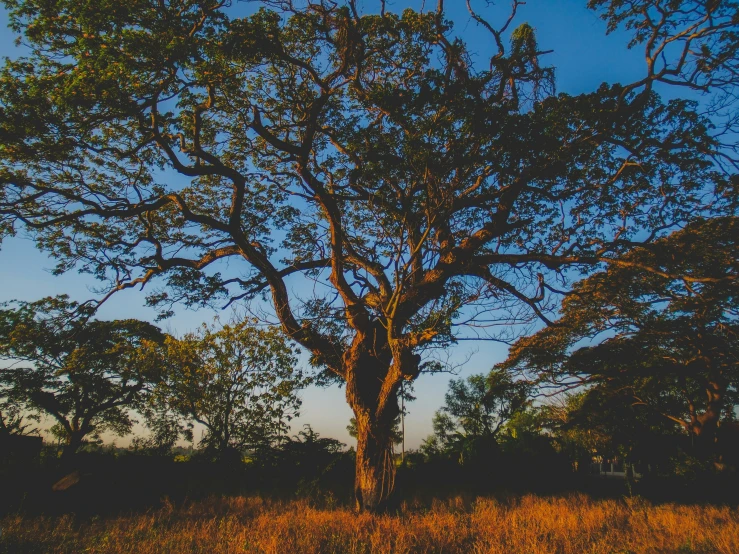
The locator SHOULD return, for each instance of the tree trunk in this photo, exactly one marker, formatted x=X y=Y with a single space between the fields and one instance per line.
x=704 y=426
x=371 y=392
x=74 y=441
x=373 y=377
x=374 y=480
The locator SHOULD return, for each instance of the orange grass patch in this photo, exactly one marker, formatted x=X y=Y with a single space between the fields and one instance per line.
x=530 y=524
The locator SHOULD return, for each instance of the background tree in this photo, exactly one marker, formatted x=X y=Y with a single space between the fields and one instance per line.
x=665 y=340
x=424 y=192
x=87 y=375
x=316 y=466
x=475 y=410
x=239 y=381
x=164 y=427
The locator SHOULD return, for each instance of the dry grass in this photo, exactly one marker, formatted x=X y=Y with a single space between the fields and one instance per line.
x=530 y=524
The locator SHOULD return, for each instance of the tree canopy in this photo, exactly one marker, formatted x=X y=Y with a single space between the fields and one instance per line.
x=430 y=197
x=665 y=340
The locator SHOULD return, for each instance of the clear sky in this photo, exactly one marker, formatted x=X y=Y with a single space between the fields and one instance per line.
x=583 y=56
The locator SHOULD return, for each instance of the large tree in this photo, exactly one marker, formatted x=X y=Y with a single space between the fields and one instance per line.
x=87 y=375
x=665 y=340
x=423 y=192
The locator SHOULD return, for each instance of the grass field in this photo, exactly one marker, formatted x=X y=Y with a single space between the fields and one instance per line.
x=575 y=524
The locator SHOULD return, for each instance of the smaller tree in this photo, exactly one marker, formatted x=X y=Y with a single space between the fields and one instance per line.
x=475 y=411
x=85 y=374
x=311 y=464
x=596 y=423
x=240 y=382
x=563 y=420
x=165 y=428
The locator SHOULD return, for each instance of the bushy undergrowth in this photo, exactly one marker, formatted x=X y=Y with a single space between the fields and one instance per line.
x=527 y=524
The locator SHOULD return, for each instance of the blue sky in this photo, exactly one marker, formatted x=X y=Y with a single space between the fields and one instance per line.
x=583 y=57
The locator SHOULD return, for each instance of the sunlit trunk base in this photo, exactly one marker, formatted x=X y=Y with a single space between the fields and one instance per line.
x=374 y=480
